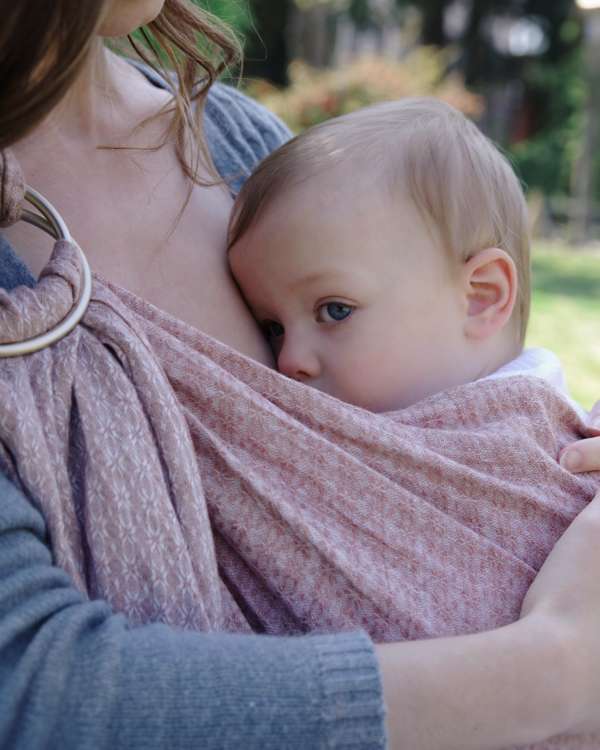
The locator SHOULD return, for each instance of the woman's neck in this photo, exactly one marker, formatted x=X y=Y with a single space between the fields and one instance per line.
x=102 y=107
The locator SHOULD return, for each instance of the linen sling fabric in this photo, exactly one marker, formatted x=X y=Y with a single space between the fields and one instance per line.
x=60 y=655
x=188 y=484
x=78 y=425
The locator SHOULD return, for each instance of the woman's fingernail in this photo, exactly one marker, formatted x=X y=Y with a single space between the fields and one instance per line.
x=571 y=459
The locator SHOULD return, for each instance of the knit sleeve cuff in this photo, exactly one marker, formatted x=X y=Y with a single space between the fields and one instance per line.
x=352 y=707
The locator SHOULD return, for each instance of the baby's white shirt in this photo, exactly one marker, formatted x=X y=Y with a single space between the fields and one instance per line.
x=539 y=363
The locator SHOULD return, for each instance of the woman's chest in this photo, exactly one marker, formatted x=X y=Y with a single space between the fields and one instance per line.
x=156 y=239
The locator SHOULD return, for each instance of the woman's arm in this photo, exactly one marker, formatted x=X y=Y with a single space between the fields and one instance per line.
x=481 y=692
x=522 y=683
x=74 y=675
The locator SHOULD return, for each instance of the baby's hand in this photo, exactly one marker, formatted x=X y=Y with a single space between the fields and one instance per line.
x=585 y=454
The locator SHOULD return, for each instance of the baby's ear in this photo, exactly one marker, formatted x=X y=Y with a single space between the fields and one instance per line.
x=490 y=285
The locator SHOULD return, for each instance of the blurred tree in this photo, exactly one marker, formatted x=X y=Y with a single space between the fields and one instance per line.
x=433 y=13
x=523 y=56
x=481 y=58
x=267 y=47
x=586 y=174
x=360 y=13
x=286 y=29
x=534 y=97
x=547 y=153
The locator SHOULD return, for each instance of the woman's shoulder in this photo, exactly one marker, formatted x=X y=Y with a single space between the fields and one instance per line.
x=240 y=132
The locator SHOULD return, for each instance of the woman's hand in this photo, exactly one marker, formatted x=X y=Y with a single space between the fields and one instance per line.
x=565 y=599
x=519 y=684
x=585 y=454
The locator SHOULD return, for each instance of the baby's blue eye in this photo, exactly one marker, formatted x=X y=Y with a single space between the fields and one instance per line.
x=273 y=329
x=334 y=312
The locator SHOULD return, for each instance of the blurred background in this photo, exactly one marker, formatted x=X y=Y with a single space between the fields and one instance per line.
x=527 y=71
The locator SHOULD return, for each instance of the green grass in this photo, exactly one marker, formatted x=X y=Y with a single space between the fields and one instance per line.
x=565 y=315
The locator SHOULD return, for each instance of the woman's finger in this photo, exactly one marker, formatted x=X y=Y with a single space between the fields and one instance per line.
x=594 y=418
x=582 y=456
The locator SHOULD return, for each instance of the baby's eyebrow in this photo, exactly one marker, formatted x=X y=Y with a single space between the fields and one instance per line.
x=314 y=276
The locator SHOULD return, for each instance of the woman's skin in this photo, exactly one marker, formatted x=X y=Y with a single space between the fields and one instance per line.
x=584 y=455
x=123 y=206
x=520 y=683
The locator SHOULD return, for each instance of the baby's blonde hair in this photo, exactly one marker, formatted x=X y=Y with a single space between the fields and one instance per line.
x=457 y=178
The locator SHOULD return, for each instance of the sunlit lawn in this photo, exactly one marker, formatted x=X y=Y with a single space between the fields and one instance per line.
x=566 y=313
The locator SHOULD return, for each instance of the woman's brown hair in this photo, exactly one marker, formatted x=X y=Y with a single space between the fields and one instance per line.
x=43 y=46
x=188 y=41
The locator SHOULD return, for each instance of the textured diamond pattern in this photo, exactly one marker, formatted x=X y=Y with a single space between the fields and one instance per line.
x=188 y=484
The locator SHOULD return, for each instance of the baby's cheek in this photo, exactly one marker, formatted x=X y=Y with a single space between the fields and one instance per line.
x=386 y=376
x=365 y=381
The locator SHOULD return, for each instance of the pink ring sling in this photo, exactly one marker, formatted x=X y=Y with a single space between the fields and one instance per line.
x=187 y=484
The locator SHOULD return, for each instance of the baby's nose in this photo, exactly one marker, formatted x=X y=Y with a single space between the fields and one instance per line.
x=298 y=361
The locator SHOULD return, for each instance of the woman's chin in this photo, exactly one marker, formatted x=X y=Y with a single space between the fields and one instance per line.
x=125 y=16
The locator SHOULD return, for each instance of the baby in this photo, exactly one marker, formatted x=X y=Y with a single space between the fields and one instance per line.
x=386 y=254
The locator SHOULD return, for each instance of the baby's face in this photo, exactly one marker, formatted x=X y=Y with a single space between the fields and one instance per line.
x=354 y=295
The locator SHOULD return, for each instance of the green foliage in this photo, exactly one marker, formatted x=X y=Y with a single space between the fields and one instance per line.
x=545 y=160
x=236 y=13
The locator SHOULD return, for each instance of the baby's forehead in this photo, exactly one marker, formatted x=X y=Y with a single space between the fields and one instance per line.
x=316 y=235
x=345 y=189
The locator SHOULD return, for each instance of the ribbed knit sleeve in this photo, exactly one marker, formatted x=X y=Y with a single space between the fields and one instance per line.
x=74 y=675
x=13 y=272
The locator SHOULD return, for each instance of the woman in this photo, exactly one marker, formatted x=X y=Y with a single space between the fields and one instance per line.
x=73 y=674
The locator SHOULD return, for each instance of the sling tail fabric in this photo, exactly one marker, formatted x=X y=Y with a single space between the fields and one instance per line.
x=188 y=484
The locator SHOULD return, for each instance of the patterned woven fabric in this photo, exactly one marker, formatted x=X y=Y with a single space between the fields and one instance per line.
x=26 y=312
x=188 y=484
x=12 y=189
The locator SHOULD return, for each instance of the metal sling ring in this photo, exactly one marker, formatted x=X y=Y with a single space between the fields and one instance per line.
x=50 y=221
